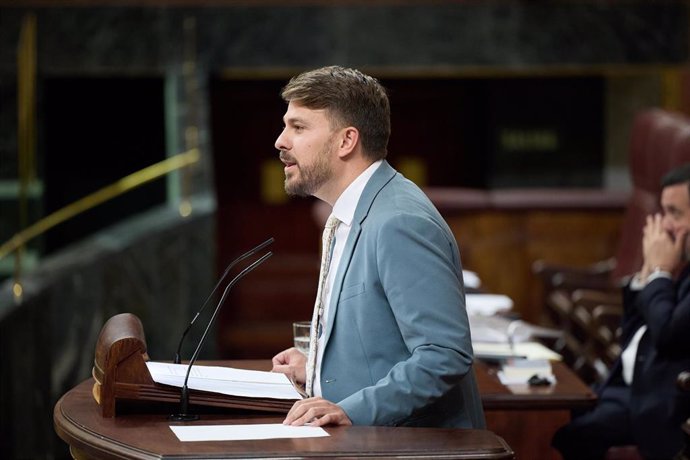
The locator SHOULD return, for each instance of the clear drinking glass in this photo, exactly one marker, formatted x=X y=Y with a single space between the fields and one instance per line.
x=300 y=332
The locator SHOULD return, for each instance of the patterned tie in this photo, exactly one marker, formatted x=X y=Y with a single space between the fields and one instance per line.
x=316 y=328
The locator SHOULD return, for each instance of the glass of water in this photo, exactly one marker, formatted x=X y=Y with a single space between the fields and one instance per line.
x=300 y=333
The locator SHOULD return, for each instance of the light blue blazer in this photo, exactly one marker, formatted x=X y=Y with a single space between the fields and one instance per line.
x=398 y=349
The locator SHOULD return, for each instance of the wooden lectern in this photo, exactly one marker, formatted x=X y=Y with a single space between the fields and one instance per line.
x=120 y=373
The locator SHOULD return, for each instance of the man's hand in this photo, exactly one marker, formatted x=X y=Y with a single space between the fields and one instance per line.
x=292 y=363
x=316 y=412
x=659 y=249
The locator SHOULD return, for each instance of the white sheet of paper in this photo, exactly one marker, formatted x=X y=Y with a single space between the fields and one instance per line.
x=487 y=304
x=471 y=279
x=225 y=380
x=245 y=432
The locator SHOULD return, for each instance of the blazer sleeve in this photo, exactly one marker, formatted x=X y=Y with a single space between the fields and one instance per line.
x=419 y=270
x=632 y=318
x=667 y=316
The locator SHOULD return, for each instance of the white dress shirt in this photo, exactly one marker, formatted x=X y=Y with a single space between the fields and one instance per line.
x=630 y=353
x=344 y=209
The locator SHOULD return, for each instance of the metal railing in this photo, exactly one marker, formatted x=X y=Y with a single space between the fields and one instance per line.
x=106 y=193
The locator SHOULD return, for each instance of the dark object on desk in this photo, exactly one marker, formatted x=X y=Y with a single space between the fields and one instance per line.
x=538 y=381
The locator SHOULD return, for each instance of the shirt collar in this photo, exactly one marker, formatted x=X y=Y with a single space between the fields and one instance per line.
x=346 y=204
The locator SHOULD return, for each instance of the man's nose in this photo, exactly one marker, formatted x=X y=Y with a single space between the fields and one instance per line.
x=281 y=141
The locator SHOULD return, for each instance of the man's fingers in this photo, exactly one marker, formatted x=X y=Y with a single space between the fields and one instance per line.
x=321 y=421
x=295 y=412
x=281 y=368
x=310 y=416
x=305 y=411
x=331 y=418
x=658 y=218
x=316 y=412
x=679 y=243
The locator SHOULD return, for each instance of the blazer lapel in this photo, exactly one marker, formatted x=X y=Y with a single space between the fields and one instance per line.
x=378 y=180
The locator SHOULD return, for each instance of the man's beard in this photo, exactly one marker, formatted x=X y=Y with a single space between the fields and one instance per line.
x=311 y=177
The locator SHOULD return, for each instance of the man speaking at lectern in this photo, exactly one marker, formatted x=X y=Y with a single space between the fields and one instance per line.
x=390 y=338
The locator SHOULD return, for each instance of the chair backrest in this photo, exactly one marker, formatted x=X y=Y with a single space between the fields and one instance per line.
x=659 y=141
x=680 y=153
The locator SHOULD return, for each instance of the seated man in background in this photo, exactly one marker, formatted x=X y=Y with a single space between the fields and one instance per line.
x=639 y=403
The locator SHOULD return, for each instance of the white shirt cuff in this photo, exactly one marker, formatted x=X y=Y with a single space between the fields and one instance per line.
x=658 y=273
x=637 y=283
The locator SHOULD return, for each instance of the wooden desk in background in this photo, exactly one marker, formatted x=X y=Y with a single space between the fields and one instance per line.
x=527 y=417
x=145 y=434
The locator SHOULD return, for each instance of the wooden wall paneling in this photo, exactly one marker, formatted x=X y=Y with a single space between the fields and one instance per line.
x=502 y=245
x=492 y=244
x=575 y=238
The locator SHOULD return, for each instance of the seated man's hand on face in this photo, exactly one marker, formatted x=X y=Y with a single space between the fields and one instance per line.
x=316 y=412
x=292 y=363
x=661 y=250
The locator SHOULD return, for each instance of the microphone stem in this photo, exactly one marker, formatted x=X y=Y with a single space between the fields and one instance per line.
x=251 y=252
x=184 y=400
x=215 y=312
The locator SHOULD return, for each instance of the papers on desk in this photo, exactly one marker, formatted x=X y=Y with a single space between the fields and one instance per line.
x=511 y=342
x=496 y=329
x=225 y=380
x=487 y=304
x=503 y=351
x=499 y=329
x=497 y=338
x=245 y=432
x=520 y=371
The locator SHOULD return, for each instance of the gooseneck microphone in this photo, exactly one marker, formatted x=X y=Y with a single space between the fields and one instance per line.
x=239 y=259
x=183 y=416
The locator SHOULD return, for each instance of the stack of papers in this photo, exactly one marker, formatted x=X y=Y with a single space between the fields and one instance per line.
x=497 y=329
x=502 y=351
x=500 y=329
x=225 y=380
x=520 y=371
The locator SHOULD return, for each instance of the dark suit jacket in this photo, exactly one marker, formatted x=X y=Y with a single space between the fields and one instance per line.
x=657 y=406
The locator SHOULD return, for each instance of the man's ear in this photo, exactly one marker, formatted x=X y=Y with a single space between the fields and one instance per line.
x=349 y=140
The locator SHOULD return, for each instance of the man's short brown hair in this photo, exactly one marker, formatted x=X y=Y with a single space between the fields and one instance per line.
x=351 y=98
